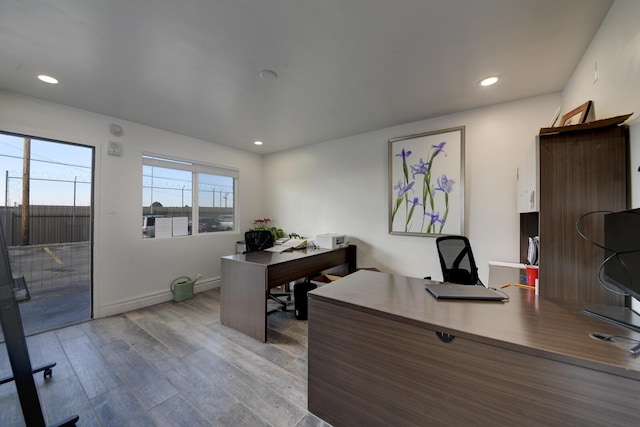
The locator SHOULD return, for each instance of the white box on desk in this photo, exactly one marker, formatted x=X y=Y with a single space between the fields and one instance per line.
x=331 y=241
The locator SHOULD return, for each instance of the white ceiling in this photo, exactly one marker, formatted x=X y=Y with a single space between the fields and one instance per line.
x=344 y=66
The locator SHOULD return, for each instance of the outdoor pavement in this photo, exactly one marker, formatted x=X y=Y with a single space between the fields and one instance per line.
x=58 y=279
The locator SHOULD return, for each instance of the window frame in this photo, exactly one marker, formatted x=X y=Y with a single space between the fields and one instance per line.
x=195 y=168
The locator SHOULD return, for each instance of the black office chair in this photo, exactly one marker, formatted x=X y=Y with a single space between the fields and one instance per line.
x=259 y=240
x=456 y=260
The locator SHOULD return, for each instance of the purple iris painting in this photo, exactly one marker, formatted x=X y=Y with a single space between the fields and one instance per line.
x=424 y=191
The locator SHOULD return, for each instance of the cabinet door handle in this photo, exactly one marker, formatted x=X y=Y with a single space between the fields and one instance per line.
x=444 y=337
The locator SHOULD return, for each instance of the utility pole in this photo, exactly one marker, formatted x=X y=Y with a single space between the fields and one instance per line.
x=73 y=218
x=25 y=191
x=6 y=203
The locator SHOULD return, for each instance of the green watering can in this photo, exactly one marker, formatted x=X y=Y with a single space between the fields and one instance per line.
x=182 y=288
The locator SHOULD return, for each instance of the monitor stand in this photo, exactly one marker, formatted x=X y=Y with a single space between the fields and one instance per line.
x=620 y=316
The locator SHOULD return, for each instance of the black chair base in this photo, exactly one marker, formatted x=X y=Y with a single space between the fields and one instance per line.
x=277 y=297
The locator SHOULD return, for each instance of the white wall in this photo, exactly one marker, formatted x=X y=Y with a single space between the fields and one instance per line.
x=130 y=272
x=616 y=50
x=341 y=186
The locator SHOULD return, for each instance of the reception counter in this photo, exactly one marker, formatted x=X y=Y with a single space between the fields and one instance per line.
x=383 y=351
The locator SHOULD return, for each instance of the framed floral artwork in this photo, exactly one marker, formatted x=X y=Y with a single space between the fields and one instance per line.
x=426 y=183
x=577 y=115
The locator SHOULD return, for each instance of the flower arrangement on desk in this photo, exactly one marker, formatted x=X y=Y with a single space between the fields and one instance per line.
x=263 y=224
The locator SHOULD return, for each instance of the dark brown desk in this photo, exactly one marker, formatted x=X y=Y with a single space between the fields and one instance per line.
x=247 y=278
x=375 y=359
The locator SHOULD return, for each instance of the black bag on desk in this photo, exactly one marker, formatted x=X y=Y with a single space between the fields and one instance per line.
x=300 y=298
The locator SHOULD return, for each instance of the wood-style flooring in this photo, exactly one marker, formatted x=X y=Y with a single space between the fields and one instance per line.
x=172 y=364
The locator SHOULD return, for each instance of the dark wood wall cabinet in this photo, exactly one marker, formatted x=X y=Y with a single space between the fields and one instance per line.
x=581 y=171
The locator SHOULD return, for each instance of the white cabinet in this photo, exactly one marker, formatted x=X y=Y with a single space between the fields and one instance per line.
x=529 y=180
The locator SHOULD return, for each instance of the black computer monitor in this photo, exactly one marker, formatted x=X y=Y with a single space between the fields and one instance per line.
x=621 y=267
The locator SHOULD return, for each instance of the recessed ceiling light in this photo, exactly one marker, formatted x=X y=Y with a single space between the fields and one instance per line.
x=268 y=75
x=488 y=81
x=258 y=142
x=48 y=79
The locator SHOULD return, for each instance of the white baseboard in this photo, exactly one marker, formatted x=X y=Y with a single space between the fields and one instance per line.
x=151 y=299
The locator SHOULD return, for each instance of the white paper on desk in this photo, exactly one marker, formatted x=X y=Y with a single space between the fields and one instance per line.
x=289 y=244
x=279 y=248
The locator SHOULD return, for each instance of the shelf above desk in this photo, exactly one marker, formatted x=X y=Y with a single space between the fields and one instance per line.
x=517 y=265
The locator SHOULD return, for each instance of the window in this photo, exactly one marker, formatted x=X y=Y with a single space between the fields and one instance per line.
x=168 y=197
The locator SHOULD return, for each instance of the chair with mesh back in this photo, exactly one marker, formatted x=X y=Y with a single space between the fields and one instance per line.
x=259 y=240
x=456 y=260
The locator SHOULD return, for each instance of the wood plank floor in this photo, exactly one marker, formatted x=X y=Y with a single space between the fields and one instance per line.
x=171 y=364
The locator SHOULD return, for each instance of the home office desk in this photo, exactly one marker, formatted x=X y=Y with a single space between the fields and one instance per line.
x=375 y=359
x=247 y=278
